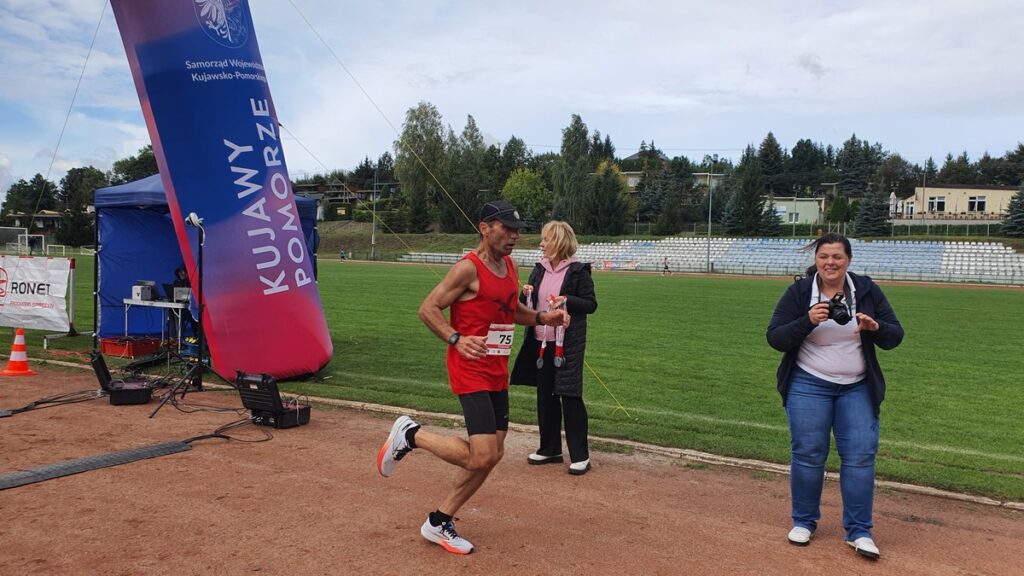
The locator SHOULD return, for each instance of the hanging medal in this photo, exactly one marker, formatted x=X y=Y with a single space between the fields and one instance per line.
x=555 y=303
x=543 y=345
x=559 y=349
x=528 y=291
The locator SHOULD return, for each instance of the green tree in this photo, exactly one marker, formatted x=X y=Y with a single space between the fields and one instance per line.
x=840 y=210
x=650 y=195
x=993 y=171
x=748 y=199
x=805 y=166
x=895 y=175
x=673 y=214
x=419 y=152
x=601 y=149
x=930 y=170
x=467 y=179
x=771 y=224
x=76 y=228
x=544 y=165
x=1013 y=162
x=525 y=190
x=78 y=186
x=772 y=158
x=957 y=170
x=1013 y=226
x=385 y=168
x=873 y=215
x=570 y=174
x=77 y=190
x=134 y=167
x=730 y=221
x=604 y=210
x=30 y=197
x=514 y=155
x=857 y=162
x=362 y=176
x=334 y=177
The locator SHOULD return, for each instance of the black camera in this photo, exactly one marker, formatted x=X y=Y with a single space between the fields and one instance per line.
x=838 y=310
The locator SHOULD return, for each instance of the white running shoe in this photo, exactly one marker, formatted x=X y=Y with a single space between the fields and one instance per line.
x=800 y=536
x=535 y=458
x=445 y=536
x=395 y=447
x=579 y=468
x=865 y=547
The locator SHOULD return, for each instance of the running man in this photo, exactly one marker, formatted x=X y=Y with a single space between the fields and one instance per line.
x=482 y=290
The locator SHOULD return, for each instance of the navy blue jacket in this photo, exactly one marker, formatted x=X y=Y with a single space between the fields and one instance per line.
x=790 y=325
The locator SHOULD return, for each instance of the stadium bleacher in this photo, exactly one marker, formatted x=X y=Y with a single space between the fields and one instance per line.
x=985 y=262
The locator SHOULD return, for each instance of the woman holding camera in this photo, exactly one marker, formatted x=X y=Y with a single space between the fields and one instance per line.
x=555 y=366
x=828 y=325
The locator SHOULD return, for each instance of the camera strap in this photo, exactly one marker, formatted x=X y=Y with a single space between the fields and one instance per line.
x=849 y=293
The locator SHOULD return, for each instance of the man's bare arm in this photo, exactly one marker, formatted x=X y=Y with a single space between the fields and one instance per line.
x=456 y=282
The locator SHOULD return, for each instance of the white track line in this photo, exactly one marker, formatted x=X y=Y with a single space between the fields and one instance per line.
x=711 y=419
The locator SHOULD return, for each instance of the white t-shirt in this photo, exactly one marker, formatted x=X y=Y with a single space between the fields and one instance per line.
x=833 y=352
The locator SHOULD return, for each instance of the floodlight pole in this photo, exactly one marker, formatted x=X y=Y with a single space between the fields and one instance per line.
x=373 y=219
x=711 y=169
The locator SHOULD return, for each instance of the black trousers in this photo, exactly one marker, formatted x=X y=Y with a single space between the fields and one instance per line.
x=551 y=408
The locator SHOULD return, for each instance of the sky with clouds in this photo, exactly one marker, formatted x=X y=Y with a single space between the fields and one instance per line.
x=922 y=78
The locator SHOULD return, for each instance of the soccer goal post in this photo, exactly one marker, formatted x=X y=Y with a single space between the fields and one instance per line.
x=56 y=250
x=32 y=244
x=10 y=238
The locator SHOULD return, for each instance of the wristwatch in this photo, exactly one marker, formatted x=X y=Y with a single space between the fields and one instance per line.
x=454 y=338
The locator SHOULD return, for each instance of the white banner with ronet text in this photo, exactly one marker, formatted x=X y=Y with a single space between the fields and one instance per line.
x=33 y=292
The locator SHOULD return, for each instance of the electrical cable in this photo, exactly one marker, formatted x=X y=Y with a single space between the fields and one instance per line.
x=380 y=219
x=57 y=400
x=67 y=117
x=373 y=102
x=221 y=433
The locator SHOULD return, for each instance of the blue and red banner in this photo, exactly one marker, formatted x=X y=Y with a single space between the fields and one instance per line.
x=207 y=105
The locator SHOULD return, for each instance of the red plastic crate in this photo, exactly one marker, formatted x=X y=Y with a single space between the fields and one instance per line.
x=129 y=347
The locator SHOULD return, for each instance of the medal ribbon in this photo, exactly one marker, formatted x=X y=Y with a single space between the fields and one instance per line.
x=554 y=304
x=528 y=290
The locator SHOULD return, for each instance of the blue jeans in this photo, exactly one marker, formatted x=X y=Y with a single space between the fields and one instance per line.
x=814 y=408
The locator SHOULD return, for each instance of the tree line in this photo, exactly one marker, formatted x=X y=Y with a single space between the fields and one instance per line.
x=437 y=179
x=73 y=194
x=446 y=176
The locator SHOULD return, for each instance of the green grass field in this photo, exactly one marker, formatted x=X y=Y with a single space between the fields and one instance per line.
x=687 y=358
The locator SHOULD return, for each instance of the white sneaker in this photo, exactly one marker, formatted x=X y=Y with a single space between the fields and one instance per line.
x=579 y=468
x=535 y=458
x=395 y=447
x=800 y=536
x=865 y=547
x=445 y=536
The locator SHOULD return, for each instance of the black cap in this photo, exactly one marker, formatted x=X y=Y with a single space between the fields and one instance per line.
x=501 y=211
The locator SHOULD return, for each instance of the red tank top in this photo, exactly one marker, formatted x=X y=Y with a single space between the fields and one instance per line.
x=494 y=303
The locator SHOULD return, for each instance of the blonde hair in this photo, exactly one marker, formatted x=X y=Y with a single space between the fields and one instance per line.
x=563 y=239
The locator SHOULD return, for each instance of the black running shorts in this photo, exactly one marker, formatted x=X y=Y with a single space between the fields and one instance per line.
x=485 y=412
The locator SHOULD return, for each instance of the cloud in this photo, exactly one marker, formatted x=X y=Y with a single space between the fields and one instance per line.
x=812 y=64
x=689 y=75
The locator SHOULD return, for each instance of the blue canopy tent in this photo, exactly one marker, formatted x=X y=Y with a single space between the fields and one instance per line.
x=135 y=240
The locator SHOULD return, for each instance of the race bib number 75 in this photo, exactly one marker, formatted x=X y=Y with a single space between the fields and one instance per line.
x=499 y=339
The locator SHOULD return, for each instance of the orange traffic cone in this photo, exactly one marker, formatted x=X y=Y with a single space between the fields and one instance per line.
x=18 y=363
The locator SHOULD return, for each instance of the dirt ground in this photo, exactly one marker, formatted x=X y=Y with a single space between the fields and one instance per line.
x=310 y=501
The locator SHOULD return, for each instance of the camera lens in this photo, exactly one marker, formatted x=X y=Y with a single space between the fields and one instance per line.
x=838 y=310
